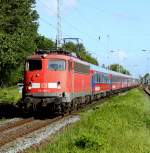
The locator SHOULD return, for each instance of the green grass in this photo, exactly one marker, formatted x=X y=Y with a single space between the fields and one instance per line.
x=9 y=95
x=120 y=126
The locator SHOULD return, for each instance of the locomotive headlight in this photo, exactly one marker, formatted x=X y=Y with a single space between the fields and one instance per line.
x=44 y=55
x=58 y=87
x=29 y=88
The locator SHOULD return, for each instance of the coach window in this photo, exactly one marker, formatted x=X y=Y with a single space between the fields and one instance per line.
x=114 y=79
x=117 y=79
x=98 y=78
x=101 y=78
x=32 y=65
x=56 y=65
x=105 y=78
x=95 y=78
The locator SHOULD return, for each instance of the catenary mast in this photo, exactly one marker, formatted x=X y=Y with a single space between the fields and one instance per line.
x=58 y=37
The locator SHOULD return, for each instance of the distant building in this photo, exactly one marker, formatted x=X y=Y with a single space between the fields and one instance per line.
x=146 y=79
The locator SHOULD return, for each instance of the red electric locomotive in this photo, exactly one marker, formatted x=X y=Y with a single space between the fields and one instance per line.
x=56 y=80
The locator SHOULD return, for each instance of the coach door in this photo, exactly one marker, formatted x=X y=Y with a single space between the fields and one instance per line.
x=93 y=83
x=110 y=77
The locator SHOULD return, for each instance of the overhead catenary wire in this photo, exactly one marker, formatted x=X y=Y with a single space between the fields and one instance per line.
x=71 y=25
x=67 y=22
x=48 y=23
x=84 y=18
x=93 y=7
x=54 y=27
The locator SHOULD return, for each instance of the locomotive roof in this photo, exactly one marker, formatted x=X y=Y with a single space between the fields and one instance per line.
x=57 y=55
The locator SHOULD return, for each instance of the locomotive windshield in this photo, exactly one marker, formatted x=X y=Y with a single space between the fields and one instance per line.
x=32 y=65
x=56 y=65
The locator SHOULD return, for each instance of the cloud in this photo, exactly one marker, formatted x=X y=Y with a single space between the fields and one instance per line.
x=122 y=55
x=51 y=6
x=125 y=16
x=69 y=3
x=119 y=55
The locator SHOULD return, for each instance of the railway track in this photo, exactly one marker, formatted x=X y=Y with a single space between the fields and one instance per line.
x=14 y=130
x=146 y=89
x=13 y=124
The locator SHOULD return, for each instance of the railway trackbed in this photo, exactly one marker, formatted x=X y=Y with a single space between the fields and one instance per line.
x=20 y=133
x=146 y=89
x=14 y=130
x=13 y=124
x=19 y=138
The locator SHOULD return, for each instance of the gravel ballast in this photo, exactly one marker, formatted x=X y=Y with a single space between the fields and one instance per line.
x=36 y=137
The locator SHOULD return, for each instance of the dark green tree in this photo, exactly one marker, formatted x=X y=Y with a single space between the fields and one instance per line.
x=146 y=75
x=119 y=68
x=18 y=30
x=80 y=51
x=70 y=46
x=44 y=43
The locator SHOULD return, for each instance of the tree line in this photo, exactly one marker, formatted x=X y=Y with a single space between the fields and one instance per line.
x=19 y=38
x=119 y=68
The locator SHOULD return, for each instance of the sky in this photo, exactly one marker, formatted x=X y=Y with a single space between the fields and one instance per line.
x=113 y=31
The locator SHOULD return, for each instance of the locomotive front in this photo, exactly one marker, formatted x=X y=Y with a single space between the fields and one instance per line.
x=45 y=82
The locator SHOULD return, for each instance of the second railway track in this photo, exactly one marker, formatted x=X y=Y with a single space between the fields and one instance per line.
x=14 y=130
x=13 y=124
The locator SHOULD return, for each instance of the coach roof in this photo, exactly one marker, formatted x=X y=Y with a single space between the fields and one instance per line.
x=99 y=68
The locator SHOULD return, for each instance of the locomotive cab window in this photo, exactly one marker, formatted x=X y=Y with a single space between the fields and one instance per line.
x=32 y=65
x=56 y=65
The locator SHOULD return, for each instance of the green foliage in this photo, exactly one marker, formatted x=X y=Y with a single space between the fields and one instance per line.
x=18 y=30
x=9 y=95
x=85 y=141
x=80 y=52
x=119 y=68
x=44 y=43
x=146 y=75
x=16 y=75
x=70 y=46
x=19 y=38
x=119 y=126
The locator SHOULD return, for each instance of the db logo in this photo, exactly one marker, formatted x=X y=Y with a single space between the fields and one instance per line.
x=43 y=85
